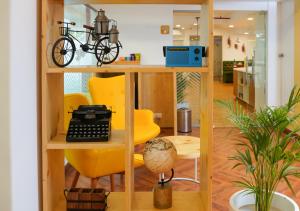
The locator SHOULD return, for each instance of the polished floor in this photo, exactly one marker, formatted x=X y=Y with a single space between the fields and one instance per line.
x=223 y=174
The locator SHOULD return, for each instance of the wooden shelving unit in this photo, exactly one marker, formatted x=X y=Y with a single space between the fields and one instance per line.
x=53 y=141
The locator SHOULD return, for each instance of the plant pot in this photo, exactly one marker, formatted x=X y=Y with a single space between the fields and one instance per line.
x=241 y=201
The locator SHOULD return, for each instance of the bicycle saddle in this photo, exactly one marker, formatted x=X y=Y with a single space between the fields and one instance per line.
x=88 y=27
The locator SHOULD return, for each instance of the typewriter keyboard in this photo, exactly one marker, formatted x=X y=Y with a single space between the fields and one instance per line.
x=88 y=132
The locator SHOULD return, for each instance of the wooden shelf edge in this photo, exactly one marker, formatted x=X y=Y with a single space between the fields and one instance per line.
x=127 y=68
x=59 y=142
x=182 y=200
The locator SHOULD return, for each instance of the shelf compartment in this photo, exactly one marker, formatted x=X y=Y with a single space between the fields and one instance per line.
x=182 y=200
x=59 y=142
x=126 y=68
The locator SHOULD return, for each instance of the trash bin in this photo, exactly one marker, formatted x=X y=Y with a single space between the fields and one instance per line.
x=184 y=120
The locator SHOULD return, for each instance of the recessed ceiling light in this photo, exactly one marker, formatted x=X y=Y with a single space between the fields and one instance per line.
x=250 y=19
x=195 y=24
x=178 y=25
x=182 y=28
x=246 y=33
x=231 y=26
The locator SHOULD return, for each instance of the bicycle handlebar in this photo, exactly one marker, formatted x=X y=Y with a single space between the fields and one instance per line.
x=62 y=22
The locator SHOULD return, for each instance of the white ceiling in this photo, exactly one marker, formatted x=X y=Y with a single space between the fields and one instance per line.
x=237 y=18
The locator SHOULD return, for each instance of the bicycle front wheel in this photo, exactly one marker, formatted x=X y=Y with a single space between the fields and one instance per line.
x=63 y=52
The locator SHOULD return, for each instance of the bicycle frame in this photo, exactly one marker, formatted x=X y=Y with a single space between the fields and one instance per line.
x=91 y=46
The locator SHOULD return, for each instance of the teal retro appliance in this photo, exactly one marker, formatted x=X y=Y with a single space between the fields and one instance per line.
x=184 y=56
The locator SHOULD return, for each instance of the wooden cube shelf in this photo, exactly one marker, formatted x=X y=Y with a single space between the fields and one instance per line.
x=52 y=95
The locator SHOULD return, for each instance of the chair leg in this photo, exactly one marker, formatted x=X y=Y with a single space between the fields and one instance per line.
x=112 y=182
x=94 y=182
x=75 y=180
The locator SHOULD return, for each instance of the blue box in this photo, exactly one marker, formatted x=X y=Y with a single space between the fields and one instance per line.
x=183 y=56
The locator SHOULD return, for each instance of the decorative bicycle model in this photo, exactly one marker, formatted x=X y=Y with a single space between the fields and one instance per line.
x=100 y=41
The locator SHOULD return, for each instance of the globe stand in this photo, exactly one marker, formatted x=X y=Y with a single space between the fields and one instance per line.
x=162 y=193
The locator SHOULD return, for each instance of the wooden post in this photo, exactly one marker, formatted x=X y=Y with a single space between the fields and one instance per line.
x=129 y=150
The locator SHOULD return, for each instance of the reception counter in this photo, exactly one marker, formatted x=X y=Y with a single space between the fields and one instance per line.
x=244 y=85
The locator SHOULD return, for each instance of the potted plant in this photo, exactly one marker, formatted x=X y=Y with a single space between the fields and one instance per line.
x=268 y=154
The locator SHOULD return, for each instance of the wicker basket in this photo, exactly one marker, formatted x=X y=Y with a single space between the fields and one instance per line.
x=85 y=199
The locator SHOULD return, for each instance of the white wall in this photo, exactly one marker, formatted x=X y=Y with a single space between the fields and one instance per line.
x=286 y=47
x=18 y=106
x=140 y=33
x=230 y=53
x=5 y=173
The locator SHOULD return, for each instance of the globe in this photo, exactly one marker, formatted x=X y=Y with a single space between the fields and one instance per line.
x=159 y=155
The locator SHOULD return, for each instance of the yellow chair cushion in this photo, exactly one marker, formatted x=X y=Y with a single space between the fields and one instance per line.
x=111 y=92
x=100 y=162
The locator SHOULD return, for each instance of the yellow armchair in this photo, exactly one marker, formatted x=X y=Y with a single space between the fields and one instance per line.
x=93 y=163
x=111 y=92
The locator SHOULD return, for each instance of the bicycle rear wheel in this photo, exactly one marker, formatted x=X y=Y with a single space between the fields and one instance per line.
x=63 y=51
x=105 y=51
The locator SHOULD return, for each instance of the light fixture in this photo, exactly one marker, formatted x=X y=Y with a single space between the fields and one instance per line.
x=250 y=19
x=182 y=28
x=246 y=33
x=231 y=26
x=178 y=26
x=195 y=24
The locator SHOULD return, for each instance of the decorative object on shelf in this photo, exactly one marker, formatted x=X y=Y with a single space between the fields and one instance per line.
x=164 y=29
x=101 y=41
x=160 y=156
x=243 y=48
x=114 y=34
x=268 y=153
x=132 y=59
x=183 y=56
x=101 y=23
x=236 y=46
x=80 y=199
x=229 y=42
x=90 y=123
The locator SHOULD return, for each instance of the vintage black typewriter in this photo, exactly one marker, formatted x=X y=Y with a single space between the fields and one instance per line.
x=90 y=123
